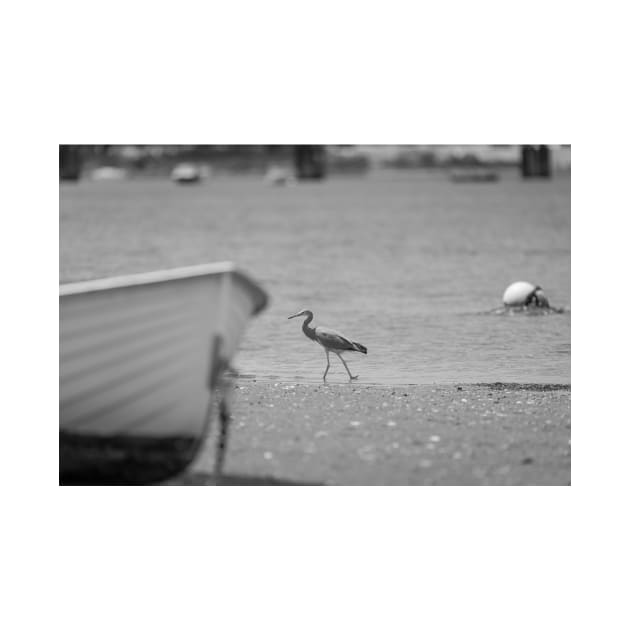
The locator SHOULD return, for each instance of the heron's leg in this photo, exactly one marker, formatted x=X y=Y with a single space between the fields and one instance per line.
x=352 y=378
x=327 y=362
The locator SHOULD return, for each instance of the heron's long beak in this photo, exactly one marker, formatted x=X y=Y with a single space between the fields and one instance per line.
x=292 y=316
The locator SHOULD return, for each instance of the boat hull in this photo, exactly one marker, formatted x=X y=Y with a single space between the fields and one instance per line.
x=140 y=362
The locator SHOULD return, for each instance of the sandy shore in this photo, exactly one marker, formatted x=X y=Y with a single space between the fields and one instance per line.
x=349 y=434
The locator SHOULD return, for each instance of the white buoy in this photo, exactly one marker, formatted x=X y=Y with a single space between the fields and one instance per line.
x=524 y=294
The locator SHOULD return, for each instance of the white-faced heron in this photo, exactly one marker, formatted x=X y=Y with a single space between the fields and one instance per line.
x=330 y=340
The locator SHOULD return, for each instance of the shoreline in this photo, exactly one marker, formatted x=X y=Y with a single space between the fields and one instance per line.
x=244 y=380
x=245 y=377
x=292 y=433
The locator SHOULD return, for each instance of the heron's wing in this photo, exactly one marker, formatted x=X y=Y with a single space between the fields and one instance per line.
x=330 y=338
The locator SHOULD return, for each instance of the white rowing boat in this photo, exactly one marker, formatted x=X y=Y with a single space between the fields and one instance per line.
x=140 y=361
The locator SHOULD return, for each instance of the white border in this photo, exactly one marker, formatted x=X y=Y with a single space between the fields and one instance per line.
x=453 y=72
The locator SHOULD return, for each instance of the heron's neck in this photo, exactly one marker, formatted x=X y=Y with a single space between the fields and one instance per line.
x=308 y=331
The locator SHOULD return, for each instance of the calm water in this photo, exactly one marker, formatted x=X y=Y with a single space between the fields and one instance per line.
x=407 y=263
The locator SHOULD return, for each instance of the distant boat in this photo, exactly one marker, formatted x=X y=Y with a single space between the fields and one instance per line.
x=108 y=173
x=277 y=175
x=474 y=175
x=140 y=363
x=186 y=173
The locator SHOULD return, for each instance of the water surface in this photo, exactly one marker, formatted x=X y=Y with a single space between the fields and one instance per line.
x=407 y=263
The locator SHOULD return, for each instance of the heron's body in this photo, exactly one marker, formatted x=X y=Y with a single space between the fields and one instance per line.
x=331 y=340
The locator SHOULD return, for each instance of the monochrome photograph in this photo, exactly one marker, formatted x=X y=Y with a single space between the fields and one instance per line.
x=345 y=315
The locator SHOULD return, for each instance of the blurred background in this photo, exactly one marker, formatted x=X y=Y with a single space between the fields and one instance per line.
x=404 y=248
x=101 y=161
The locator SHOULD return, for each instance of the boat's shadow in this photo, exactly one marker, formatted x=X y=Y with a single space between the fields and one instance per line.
x=206 y=479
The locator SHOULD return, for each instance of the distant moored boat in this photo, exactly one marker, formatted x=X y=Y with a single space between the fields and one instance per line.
x=108 y=173
x=465 y=175
x=277 y=175
x=186 y=173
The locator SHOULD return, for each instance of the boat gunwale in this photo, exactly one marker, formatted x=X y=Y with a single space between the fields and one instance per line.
x=167 y=275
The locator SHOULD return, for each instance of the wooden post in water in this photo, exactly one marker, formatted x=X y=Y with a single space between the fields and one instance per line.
x=309 y=161
x=544 y=161
x=527 y=160
x=69 y=162
x=535 y=161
